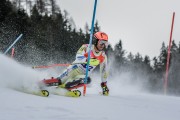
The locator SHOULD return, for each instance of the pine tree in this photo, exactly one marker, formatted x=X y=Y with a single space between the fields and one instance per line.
x=6 y=31
x=130 y=57
x=119 y=54
x=6 y=9
x=173 y=79
x=163 y=57
x=138 y=58
x=155 y=65
x=96 y=27
x=41 y=6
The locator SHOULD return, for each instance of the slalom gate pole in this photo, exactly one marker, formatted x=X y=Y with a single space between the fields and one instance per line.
x=12 y=52
x=54 y=65
x=13 y=43
x=90 y=44
x=168 y=56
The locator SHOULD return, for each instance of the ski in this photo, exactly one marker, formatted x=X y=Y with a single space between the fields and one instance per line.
x=55 y=87
x=43 y=93
x=73 y=93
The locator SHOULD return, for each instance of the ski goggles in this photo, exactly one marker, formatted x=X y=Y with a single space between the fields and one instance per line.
x=105 y=42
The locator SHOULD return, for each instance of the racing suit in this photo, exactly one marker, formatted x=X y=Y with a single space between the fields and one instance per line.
x=78 y=68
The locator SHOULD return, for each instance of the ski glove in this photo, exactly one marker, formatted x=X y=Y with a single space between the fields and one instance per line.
x=105 y=90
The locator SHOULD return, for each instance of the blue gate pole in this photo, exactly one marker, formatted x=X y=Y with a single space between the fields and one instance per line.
x=13 y=43
x=90 y=44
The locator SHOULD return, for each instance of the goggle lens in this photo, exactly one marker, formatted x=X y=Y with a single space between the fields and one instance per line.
x=101 y=42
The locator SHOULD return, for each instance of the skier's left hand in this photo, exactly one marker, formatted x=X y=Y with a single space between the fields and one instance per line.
x=105 y=89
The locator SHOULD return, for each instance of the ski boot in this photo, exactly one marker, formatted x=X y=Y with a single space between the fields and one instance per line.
x=52 y=82
x=75 y=83
x=70 y=86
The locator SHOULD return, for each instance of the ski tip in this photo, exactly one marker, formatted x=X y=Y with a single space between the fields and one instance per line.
x=44 y=93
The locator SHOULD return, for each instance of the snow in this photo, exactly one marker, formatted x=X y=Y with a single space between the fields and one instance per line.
x=122 y=105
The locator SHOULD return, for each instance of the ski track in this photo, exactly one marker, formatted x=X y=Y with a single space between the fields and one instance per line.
x=122 y=105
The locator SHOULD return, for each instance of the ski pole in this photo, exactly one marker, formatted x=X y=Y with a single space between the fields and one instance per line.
x=55 y=65
x=90 y=44
x=13 y=43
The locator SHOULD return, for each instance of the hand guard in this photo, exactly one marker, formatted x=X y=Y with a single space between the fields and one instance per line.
x=105 y=89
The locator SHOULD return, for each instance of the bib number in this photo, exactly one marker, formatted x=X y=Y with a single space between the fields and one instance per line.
x=85 y=66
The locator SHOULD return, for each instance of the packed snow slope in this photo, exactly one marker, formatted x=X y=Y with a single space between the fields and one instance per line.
x=125 y=102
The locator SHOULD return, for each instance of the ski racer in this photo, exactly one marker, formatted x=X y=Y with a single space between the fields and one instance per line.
x=73 y=76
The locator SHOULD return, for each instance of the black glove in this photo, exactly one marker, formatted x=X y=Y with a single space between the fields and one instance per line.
x=105 y=88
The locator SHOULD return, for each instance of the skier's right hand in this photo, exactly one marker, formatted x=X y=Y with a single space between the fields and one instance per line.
x=105 y=89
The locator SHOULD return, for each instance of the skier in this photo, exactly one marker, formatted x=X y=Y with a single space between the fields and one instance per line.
x=73 y=76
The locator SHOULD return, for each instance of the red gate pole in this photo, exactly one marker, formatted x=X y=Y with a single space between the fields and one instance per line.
x=168 y=56
x=12 y=52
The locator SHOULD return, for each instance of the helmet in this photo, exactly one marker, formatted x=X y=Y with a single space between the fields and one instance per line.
x=100 y=37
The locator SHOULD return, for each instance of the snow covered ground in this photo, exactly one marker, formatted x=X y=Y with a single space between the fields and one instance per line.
x=124 y=102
